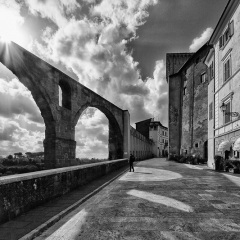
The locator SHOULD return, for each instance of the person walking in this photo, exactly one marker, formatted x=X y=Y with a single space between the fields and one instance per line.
x=131 y=160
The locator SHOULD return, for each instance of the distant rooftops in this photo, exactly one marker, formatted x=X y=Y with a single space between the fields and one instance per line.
x=151 y=122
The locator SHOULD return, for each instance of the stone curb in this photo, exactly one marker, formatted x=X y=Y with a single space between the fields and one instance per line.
x=36 y=232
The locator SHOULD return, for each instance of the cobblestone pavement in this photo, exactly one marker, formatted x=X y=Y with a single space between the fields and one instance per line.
x=160 y=200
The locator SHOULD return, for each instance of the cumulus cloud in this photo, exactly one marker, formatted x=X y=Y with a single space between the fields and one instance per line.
x=157 y=100
x=21 y=125
x=59 y=11
x=92 y=134
x=17 y=100
x=95 y=47
x=199 y=41
x=14 y=138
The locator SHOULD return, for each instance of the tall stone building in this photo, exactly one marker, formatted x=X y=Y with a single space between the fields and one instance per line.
x=188 y=103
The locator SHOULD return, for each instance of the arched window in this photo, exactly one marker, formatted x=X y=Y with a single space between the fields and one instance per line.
x=64 y=95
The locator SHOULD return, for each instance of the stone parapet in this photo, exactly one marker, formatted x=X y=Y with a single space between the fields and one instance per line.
x=22 y=192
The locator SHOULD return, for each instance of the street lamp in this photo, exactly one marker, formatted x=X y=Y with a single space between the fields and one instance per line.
x=223 y=107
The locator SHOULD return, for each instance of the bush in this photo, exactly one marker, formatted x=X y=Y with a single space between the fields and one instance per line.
x=2 y=169
x=234 y=165
x=171 y=157
x=219 y=163
x=183 y=160
x=9 y=162
x=202 y=160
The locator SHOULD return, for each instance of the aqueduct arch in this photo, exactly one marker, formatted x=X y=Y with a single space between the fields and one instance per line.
x=43 y=80
x=115 y=139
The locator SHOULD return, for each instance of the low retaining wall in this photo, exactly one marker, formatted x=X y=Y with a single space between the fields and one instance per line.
x=19 y=193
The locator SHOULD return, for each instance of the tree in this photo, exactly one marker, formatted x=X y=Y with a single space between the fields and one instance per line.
x=10 y=157
x=17 y=154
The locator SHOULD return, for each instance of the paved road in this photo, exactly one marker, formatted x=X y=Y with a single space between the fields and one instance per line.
x=160 y=200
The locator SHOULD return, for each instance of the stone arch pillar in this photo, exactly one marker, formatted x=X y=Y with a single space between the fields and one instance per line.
x=30 y=70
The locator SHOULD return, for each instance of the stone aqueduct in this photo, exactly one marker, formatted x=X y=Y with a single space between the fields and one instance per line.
x=43 y=81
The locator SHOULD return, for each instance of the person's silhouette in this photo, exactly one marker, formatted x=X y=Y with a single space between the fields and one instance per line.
x=131 y=160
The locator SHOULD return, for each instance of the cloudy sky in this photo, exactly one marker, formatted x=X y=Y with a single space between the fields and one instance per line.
x=117 y=48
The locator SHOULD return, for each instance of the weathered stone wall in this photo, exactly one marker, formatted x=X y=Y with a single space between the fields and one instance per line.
x=174 y=61
x=174 y=122
x=143 y=127
x=194 y=107
x=22 y=192
x=200 y=110
x=188 y=113
x=43 y=80
x=141 y=147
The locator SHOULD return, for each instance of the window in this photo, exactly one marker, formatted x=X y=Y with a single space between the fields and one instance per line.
x=64 y=94
x=203 y=78
x=184 y=91
x=196 y=145
x=227 y=116
x=210 y=111
x=155 y=127
x=224 y=38
x=227 y=69
x=211 y=71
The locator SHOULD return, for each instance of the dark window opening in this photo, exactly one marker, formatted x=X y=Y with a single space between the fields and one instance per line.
x=196 y=145
x=64 y=95
x=227 y=116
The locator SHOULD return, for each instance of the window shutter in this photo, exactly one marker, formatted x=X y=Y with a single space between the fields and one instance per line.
x=231 y=28
x=227 y=113
x=212 y=70
x=220 y=41
x=210 y=111
x=209 y=74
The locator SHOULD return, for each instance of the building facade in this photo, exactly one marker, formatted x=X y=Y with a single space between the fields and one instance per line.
x=158 y=133
x=188 y=92
x=223 y=62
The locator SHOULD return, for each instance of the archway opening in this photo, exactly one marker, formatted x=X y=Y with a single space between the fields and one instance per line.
x=22 y=128
x=92 y=136
x=64 y=94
